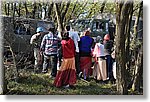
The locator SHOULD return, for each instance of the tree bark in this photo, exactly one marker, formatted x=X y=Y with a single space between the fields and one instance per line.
x=65 y=11
x=61 y=15
x=50 y=7
x=34 y=10
x=103 y=6
x=138 y=71
x=128 y=37
x=26 y=9
x=138 y=54
x=8 y=7
x=121 y=23
x=59 y=19
x=18 y=9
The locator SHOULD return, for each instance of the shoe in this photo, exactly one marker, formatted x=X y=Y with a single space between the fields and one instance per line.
x=44 y=72
x=66 y=87
x=80 y=74
x=52 y=77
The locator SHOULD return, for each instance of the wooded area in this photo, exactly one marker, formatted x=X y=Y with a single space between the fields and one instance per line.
x=128 y=40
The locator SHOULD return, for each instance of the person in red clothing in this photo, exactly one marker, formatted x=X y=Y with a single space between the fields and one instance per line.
x=66 y=76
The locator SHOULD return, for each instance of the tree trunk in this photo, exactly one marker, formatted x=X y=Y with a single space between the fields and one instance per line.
x=103 y=6
x=34 y=10
x=59 y=18
x=8 y=7
x=138 y=54
x=50 y=7
x=137 y=19
x=128 y=38
x=26 y=9
x=138 y=71
x=61 y=15
x=121 y=23
x=18 y=9
x=65 y=11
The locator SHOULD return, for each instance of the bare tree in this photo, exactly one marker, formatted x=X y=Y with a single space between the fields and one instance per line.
x=61 y=15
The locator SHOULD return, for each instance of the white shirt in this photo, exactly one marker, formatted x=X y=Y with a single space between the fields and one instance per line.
x=99 y=50
x=75 y=37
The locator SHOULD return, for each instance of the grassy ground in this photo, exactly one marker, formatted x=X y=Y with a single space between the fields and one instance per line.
x=41 y=84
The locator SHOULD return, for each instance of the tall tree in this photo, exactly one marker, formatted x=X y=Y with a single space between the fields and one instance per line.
x=61 y=15
x=122 y=16
x=138 y=53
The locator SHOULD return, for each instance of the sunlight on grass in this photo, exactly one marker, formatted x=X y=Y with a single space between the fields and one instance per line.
x=41 y=84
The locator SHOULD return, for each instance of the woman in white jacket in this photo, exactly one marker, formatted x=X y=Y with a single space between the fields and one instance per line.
x=99 y=71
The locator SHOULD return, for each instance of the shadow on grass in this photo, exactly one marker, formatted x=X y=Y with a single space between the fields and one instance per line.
x=40 y=84
x=36 y=79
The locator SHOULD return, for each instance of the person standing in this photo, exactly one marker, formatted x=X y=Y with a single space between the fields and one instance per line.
x=108 y=44
x=100 y=65
x=49 y=48
x=85 y=46
x=36 y=41
x=66 y=75
x=75 y=37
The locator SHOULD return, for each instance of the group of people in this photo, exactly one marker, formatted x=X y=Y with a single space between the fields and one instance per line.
x=75 y=55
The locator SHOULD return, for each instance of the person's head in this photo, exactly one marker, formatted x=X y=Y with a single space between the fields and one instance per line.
x=65 y=36
x=68 y=27
x=99 y=39
x=39 y=30
x=51 y=28
x=107 y=37
x=87 y=33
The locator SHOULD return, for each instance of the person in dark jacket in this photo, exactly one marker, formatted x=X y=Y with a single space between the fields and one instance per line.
x=108 y=44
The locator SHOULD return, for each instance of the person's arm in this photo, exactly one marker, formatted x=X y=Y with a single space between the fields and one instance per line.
x=32 y=39
x=43 y=43
x=95 y=51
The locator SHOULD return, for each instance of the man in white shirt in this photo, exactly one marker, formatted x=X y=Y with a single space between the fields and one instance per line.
x=75 y=37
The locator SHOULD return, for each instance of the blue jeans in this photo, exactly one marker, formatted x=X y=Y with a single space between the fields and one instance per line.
x=50 y=60
x=109 y=66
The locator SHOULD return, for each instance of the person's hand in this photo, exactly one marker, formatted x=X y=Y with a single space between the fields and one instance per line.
x=96 y=60
x=41 y=52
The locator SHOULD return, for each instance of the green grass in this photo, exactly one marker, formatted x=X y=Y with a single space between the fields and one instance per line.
x=41 y=84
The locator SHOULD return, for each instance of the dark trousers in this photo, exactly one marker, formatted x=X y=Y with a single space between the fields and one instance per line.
x=52 y=61
x=77 y=62
x=109 y=66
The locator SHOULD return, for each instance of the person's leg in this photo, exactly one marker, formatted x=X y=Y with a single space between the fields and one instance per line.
x=77 y=63
x=54 y=60
x=45 y=64
x=110 y=74
x=36 y=59
x=107 y=71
